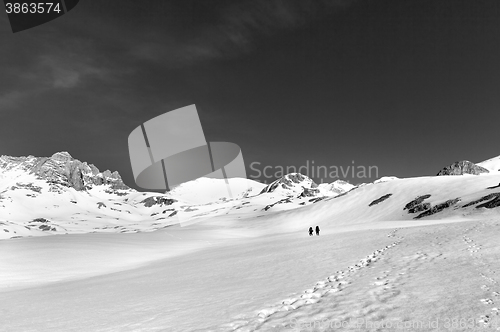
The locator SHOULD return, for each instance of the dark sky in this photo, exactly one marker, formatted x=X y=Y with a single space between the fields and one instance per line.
x=407 y=86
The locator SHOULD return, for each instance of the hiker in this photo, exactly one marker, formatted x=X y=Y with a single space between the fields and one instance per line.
x=310 y=231
x=317 y=230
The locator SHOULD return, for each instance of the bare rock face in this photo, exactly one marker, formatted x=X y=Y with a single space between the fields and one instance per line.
x=416 y=204
x=380 y=200
x=438 y=208
x=289 y=181
x=62 y=156
x=62 y=169
x=309 y=192
x=494 y=201
x=158 y=200
x=462 y=167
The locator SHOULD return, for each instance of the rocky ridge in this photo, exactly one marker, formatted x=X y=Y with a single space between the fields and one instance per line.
x=62 y=169
x=462 y=167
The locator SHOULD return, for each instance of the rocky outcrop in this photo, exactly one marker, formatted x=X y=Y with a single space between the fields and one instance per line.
x=380 y=200
x=462 y=167
x=494 y=201
x=308 y=192
x=420 y=208
x=62 y=169
x=290 y=181
x=491 y=204
x=282 y=201
x=157 y=200
x=317 y=199
x=438 y=208
x=416 y=204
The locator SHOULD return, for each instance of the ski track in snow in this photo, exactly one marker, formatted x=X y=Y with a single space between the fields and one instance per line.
x=327 y=287
x=384 y=287
x=486 y=273
x=436 y=271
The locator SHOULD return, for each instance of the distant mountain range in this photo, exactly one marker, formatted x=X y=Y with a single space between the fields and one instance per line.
x=62 y=195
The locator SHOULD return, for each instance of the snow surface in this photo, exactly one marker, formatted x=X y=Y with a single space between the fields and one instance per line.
x=335 y=188
x=206 y=190
x=386 y=178
x=392 y=274
x=493 y=164
x=246 y=263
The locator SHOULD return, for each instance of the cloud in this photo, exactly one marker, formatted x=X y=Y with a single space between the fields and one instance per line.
x=64 y=78
x=233 y=31
x=48 y=73
x=37 y=64
x=248 y=19
x=61 y=72
x=71 y=54
x=10 y=99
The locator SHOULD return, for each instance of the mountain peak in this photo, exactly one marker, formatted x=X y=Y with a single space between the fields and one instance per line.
x=462 y=167
x=291 y=181
x=61 y=169
x=62 y=156
x=296 y=178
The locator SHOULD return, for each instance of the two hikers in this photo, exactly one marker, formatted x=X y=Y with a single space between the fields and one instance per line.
x=311 y=231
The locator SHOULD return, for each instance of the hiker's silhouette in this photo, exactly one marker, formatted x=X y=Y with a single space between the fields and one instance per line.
x=317 y=230
x=310 y=231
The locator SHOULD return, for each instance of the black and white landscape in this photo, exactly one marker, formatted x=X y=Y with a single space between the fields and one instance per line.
x=374 y=121
x=83 y=248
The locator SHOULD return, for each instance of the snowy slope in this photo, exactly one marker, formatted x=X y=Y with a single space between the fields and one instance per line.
x=60 y=195
x=265 y=283
x=207 y=190
x=493 y=164
x=335 y=188
x=386 y=178
x=386 y=201
x=34 y=205
x=40 y=196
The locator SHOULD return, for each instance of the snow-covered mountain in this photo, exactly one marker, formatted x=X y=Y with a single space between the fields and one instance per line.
x=290 y=185
x=59 y=170
x=296 y=190
x=466 y=167
x=420 y=198
x=207 y=190
x=297 y=184
x=463 y=167
x=253 y=240
x=60 y=195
